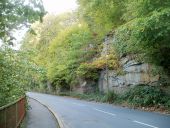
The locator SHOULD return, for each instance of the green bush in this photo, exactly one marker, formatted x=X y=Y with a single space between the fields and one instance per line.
x=144 y=95
x=87 y=71
x=109 y=97
x=139 y=96
x=167 y=104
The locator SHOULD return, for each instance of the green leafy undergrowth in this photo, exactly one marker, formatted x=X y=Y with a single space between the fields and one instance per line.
x=144 y=95
x=139 y=96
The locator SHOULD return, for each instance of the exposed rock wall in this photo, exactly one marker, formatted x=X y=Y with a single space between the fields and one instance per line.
x=130 y=74
x=85 y=86
x=133 y=73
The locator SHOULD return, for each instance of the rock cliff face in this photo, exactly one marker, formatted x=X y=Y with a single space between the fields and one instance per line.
x=85 y=86
x=133 y=73
x=130 y=74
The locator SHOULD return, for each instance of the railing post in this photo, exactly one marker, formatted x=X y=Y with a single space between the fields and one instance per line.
x=5 y=118
x=16 y=113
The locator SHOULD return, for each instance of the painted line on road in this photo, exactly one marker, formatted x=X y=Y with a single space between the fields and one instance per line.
x=112 y=114
x=82 y=105
x=135 y=121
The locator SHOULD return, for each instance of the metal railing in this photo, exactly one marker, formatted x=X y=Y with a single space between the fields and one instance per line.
x=12 y=114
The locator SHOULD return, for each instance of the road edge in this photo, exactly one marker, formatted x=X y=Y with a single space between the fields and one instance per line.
x=58 y=119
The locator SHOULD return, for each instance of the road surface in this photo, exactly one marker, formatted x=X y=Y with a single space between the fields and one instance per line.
x=73 y=113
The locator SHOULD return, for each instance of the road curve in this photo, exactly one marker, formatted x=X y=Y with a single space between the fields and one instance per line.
x=73 y=113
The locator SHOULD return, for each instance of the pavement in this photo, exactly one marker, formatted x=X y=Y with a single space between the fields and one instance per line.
x=73 y=113
x=38 y=116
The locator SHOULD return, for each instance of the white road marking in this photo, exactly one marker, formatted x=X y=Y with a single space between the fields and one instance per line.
x=112 y=114
x=79 y=104
x=135 y=121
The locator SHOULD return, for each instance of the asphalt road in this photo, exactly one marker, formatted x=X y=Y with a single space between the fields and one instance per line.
x=73 y=113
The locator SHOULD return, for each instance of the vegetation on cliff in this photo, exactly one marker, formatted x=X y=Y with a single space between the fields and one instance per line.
x=66 y=48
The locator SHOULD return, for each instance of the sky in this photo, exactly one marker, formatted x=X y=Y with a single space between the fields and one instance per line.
x=52 y=7
x=59 y=6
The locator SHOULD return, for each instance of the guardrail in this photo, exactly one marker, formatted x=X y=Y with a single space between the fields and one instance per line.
x=12 y=114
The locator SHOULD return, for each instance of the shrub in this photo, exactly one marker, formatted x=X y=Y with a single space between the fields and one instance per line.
x=112 y=62
x=144 y=95
x=109 y=97
x=167 y=104
x=87 y=71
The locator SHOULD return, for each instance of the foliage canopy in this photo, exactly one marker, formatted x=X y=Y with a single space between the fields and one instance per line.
x=14 y=14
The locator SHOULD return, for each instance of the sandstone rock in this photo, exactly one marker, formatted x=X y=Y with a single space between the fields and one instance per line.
x=134 y=73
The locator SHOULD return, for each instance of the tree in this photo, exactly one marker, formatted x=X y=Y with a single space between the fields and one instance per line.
x=44 y=33
x=101 y=15
x=67 y=51
x=146 y=31
x=15 y=70
x=14 y=14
